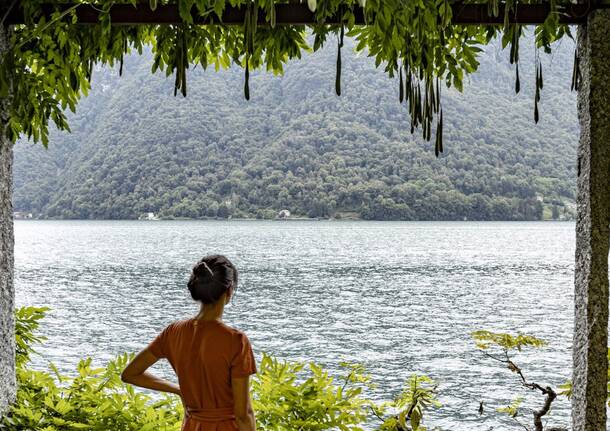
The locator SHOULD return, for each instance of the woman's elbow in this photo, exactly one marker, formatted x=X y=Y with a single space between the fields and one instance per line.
x=125 y=377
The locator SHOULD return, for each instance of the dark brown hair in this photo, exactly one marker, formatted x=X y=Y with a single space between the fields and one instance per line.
x=212 y=276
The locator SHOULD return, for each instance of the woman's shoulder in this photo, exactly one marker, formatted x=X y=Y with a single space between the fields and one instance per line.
x=177 y=325
x=232 y=330
x=218 y=327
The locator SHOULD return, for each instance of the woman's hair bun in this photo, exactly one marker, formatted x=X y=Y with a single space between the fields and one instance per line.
x=211 y=277
x=201 y=269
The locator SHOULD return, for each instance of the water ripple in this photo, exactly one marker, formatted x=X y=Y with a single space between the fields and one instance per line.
x=399 y=297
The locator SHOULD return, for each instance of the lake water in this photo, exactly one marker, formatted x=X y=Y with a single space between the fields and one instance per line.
x=401 y=297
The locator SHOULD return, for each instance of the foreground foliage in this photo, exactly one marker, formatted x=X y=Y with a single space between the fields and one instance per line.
x=92 y=399
x=288 y=396
x=500 y=347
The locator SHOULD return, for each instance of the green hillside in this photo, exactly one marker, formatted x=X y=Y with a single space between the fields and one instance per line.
x=136 y=148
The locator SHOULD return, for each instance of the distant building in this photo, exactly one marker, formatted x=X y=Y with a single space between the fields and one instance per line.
x=148 y=216
x=283 y=214
x=20 y=215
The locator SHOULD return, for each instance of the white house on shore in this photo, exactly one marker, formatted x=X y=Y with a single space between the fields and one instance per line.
x=20 y=215
x=283 y=214
x=148 y=216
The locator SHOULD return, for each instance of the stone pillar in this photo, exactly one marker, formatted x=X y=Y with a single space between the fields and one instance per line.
x=592 y=233
x=7 y=292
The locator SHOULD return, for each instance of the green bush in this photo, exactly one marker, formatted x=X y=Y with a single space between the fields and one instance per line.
x=93 y=399
x=293 y=396
x=287 y=396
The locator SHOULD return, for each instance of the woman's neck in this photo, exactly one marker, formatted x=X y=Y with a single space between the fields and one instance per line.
x=211 y=312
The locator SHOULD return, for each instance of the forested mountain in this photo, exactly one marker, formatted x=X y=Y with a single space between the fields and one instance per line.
x=136 y=148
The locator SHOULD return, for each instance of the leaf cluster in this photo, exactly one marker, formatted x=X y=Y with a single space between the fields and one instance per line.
x=49 y=64
x=486 y=340
x=407 y=410
x=298 y=396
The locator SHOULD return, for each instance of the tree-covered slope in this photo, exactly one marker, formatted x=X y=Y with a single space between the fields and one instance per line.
x=136 y=148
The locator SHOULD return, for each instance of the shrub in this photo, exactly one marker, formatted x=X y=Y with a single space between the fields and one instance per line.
x=296 y=396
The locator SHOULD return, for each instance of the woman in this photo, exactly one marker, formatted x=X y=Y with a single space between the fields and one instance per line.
x=213 y=361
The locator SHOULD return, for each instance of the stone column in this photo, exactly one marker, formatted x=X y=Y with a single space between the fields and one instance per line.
x=7 y=292
x=592 y=233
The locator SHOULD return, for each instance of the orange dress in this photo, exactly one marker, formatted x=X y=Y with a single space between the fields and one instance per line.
x=205 y=356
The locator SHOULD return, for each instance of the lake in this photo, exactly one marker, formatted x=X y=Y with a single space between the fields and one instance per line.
x=400 y=297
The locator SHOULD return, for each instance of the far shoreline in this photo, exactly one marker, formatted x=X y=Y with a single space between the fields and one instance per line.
x=292 y=219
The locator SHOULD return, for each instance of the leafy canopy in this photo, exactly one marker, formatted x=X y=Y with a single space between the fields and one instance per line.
x=50 y=64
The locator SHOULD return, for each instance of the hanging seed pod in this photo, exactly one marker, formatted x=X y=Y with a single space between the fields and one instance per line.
x=517 y=81
x=89 y=70
x=433 y=98
x=177 y=63
x=538 y=87
x=408 y=84
x=412 y=104
x=517 y=35
x=247 y=80
x=426 y=129
x=401 y=88
x=431 y=102
x=338 y=73
x=438 y=94
x=176 y=82
x=121 y=65
x=184 y=81
x=573 y=84
x=426 y=103
x=575 y=71
x=439 y=130
x=185 y=61
x=419 y=107
x=541 y=81
x=248 y=47
x=514 y=46
x=338 y=76
x=414 y=108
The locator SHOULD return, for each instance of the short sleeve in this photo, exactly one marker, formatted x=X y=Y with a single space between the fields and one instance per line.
x=158 y=346
x=243 y=363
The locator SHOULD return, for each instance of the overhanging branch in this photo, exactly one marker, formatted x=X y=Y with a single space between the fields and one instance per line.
x=299 y=14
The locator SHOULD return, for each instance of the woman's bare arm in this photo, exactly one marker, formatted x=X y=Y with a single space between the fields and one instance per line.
x=135 y=373
x=244 y=414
